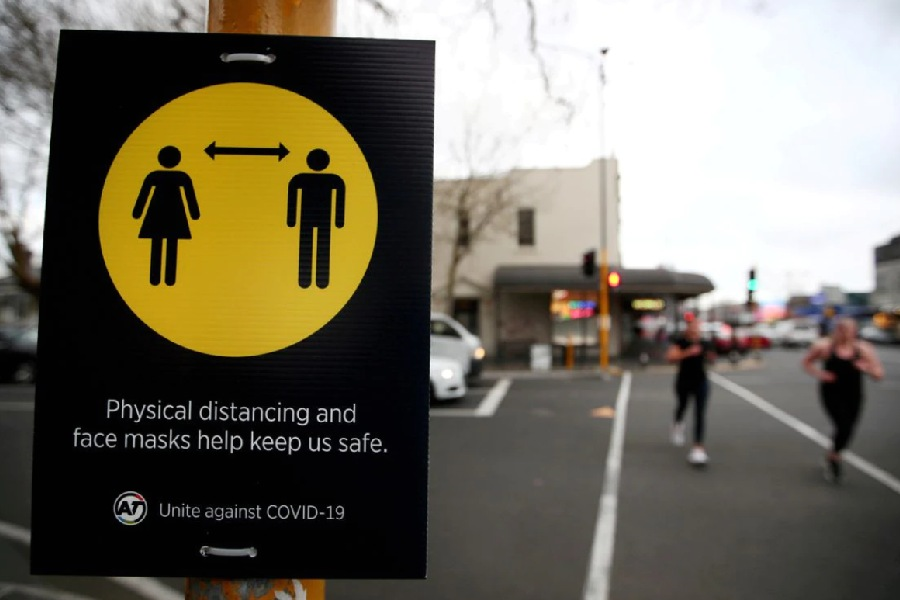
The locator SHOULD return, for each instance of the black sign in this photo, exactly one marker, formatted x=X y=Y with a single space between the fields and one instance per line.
x=234 y=310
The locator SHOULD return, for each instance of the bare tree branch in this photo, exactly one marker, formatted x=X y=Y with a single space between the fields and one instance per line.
x=382 y=9
x=29 y=39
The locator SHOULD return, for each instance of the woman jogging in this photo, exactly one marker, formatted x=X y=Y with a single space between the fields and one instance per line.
x=844 y=359
x=691 y=354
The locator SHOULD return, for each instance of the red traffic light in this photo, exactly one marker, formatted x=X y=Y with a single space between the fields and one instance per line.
x=614 y=279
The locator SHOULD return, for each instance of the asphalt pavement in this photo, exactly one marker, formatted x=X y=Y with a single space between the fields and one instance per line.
x=519 y=468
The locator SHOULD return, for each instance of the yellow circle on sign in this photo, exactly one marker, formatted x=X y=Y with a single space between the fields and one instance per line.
x=238 y=219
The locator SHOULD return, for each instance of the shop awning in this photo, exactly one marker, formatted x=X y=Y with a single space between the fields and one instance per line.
x=546 y=278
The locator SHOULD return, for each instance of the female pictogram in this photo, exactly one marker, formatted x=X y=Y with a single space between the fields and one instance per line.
x=166 y=220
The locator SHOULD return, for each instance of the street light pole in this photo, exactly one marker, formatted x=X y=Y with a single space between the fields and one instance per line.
x=286 y=17
x=603 y=322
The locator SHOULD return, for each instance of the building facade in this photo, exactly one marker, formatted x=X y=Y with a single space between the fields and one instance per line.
x=516 y=278
x=887 y=276
x=885 y=299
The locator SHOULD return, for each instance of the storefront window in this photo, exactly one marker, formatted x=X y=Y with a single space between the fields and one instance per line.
x=574 y=318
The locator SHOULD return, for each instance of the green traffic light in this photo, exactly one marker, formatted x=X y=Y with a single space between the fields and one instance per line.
x=751 y=285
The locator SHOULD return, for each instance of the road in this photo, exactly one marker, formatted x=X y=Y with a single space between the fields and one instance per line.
x=519 y=467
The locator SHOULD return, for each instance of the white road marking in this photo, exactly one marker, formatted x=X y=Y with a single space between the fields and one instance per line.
x=600 y=564
x=15 y=533
x=39 y=592
x=21 y=406
x=492 y=401
x=453 y=412
x=141 y=586
x=148 y=588
x=486 y=408
x=807 y=431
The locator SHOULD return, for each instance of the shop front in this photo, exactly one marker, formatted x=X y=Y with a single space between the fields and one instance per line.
x=558 y=305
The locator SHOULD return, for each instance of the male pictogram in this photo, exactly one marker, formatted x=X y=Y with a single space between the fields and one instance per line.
x=315 y=191
x=164 y=193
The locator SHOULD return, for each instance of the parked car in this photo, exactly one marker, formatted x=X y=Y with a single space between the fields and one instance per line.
x=450 y=339
x=774 y=331
x=872 y=333
x=800 y=335
x=448 y=381
x=18 y=354
x=756 y=337
x=727 y=341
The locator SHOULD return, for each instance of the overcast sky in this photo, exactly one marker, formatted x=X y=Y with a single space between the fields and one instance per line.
x=761 y=133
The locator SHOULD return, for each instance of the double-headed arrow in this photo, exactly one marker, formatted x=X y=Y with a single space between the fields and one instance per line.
x=214 y=150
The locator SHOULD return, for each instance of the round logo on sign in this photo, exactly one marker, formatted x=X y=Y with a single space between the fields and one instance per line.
x=130 y=508
x=238 y=219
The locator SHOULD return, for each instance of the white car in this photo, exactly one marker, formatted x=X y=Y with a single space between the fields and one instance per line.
x=800 y=335
x=872 y=333
x=775 y=331
x=449 y=339
x=448 y=381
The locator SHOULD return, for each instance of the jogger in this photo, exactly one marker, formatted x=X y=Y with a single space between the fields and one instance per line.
x=691 y=353
x=700 y=394
x=844 y=360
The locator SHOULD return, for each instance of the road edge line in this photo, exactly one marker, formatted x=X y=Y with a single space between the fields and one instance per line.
x=15 y=533
x=145 y=587
x=807 y=431
x=600 y=563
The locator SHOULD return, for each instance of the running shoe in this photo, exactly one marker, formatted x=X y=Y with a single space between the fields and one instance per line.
x=678 y=434
x=698 y=456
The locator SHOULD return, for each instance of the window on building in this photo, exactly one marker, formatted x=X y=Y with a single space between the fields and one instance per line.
x=465 y=310
x=462 y=228
x=526 y=227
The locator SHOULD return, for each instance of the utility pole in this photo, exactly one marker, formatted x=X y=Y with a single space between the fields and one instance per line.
x=603 y=322
x=283 y=17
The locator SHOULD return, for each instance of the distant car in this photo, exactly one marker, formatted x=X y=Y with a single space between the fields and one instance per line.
x=727 y=341
x=876 y=335
x=718 y=333
x=450 y=339
x=775 y=331
x=448 y=381
x=757 y=337
x=18 y=354
x=800 y=335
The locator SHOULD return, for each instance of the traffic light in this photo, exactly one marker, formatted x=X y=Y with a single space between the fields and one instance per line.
x=614 y=279
x=751 y=286
x=589 y=263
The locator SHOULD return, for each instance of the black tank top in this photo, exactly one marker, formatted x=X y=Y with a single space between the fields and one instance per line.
x=848 y=379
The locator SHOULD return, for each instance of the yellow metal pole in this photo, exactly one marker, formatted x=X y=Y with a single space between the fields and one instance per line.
x=254 y=589
x=603 y=324
x=603 y=289
x=285 y=17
